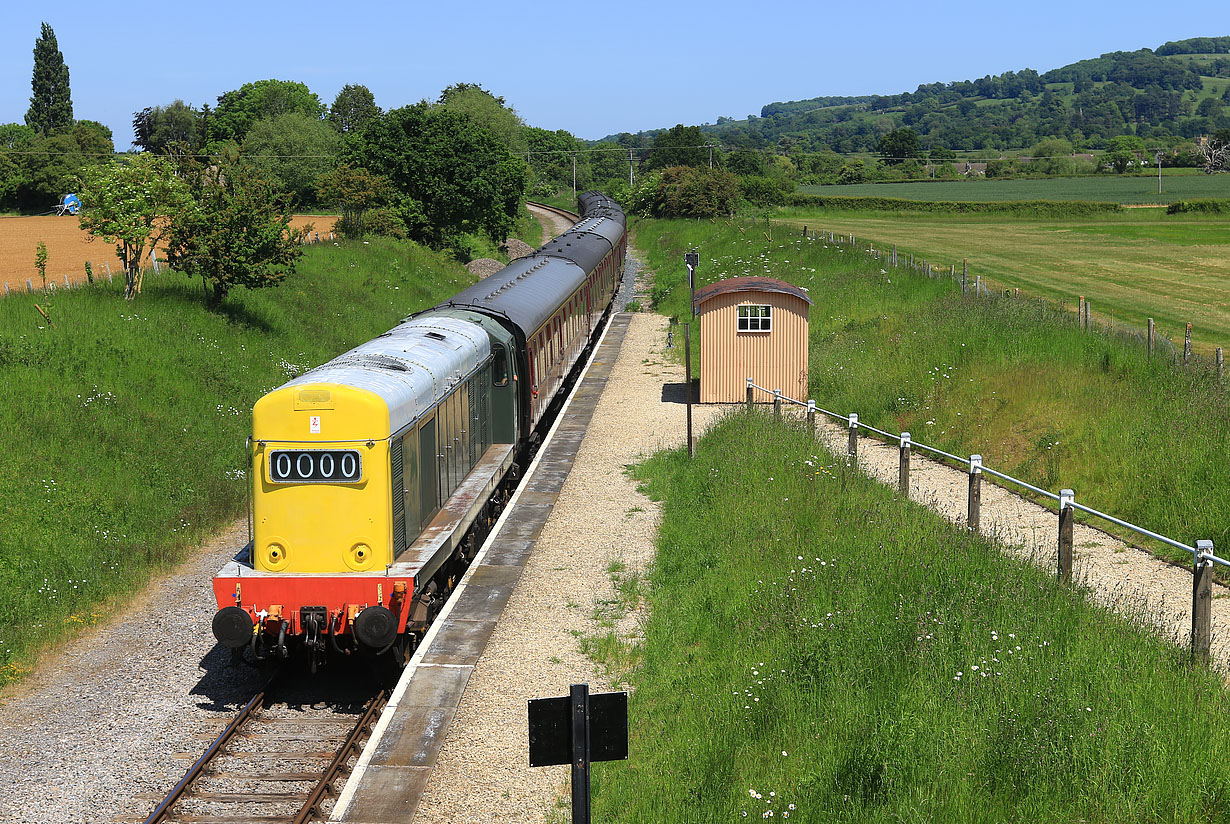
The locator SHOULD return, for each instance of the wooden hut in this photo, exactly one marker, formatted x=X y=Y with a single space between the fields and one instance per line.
x=752 y=328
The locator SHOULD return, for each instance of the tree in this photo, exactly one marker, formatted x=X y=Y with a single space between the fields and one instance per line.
x=14 y=137
x=680 y=146
x=453 y=176
x=899 y=144
x=130 y=203
x=1123 y=151
x=291 y=151
x=51 y=104
x=551 y=157
x=1215 y=152
x=353 y=191
x=158 y=128
x=233 y=231
x=240 y=109
x=487 y=111
x=353 y=108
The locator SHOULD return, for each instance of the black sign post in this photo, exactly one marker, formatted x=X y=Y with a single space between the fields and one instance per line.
x=579 y=729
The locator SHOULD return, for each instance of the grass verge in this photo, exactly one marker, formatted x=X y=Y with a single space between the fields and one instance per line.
x=1013 y=380
x=124 y=425
x=822 y=650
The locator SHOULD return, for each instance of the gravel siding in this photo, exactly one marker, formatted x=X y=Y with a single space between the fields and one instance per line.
x=482 y=773
x=104 y=716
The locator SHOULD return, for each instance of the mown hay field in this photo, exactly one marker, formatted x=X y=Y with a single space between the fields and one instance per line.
x=68 y=248
x=1132 y=266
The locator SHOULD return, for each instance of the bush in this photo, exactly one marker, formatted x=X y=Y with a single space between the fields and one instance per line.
x=1207 y=206
x=761 y=191
x=385 y=222
x=1035 y=208
x=686 y=191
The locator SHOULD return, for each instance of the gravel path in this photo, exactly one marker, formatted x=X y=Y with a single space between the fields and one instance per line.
x=600 y=520
x=1124 y=578
x=103 y=717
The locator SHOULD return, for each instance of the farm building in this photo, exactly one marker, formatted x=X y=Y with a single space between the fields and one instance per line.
x=752 y=328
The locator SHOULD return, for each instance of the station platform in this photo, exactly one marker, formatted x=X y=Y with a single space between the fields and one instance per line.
x=389 y=780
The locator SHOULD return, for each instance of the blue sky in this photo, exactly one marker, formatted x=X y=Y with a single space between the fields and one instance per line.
x=622 y=66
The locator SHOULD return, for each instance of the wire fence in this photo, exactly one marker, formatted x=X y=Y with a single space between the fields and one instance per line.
x=1203 y=556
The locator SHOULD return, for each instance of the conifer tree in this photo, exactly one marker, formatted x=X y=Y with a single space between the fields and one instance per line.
x=51 y=104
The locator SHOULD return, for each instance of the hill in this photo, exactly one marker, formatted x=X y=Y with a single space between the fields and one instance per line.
x=1175 y=93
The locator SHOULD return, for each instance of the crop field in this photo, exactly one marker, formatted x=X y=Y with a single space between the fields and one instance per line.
x=1131 y=266
x=1128 y=190
x=68 y=248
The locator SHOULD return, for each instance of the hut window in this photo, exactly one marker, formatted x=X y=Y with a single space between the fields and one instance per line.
x=755 y=317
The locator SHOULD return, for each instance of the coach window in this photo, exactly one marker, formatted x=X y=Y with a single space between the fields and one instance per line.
x=499 y=366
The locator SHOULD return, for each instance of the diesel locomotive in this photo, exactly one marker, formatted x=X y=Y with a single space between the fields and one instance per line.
x=375 y=477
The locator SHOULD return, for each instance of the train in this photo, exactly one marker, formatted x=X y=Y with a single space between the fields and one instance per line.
x=376 y=476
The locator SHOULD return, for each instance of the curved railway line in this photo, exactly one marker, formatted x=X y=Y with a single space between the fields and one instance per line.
x=312 y=747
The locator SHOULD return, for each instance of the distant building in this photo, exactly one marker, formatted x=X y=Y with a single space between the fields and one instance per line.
x=752 y=328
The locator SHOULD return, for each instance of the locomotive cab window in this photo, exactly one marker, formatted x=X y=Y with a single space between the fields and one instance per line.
x=499 y=366
x=755 y=317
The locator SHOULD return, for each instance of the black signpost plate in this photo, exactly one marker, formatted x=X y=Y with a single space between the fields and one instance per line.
x=551 y=729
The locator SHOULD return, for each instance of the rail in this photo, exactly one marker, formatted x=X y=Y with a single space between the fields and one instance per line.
x=184 y=788
x=573 y=216
x=1203 y=556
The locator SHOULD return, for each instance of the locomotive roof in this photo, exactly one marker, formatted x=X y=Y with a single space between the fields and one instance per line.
x=411 y=367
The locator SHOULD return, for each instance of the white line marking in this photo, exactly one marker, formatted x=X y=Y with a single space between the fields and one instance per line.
x=342 y=806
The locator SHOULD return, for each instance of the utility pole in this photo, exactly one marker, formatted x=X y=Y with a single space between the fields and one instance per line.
x=630 y=181
x=574 y=174
x=711 y=157
x=1159 y=171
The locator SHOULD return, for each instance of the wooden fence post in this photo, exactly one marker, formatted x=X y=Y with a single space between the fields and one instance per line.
x=1066 y=512
x=1088 y=318
x=749 y=394
x=852 y=444
x=1187 y=344
x=973 y=512
x=1080 y=312
x=1220 y=362
x=978 y=286
x=777 y=404
x=811 y=417
x=1202 y=603
x=894 y=256
x=6 y=293
x=903 y=465
x=29 y=285
x=1150 y=339
x=964 y=277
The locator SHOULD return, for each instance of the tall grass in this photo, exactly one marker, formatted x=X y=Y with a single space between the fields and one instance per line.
x=124 y=425
x=1014 y=380
x=826 y=651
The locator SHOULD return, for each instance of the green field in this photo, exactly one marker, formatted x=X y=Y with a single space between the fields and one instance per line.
x=124 y=425
x=1131 y=266
x=1107 y=188
x=818 y=649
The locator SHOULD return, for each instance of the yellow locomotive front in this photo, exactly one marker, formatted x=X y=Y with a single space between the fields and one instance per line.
x=321 y=500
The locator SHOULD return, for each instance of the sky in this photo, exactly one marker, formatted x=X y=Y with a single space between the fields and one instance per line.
x=593 y=68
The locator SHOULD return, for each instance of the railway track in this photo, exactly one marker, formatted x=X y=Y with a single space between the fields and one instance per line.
x=279 y=760
x=562 y=219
